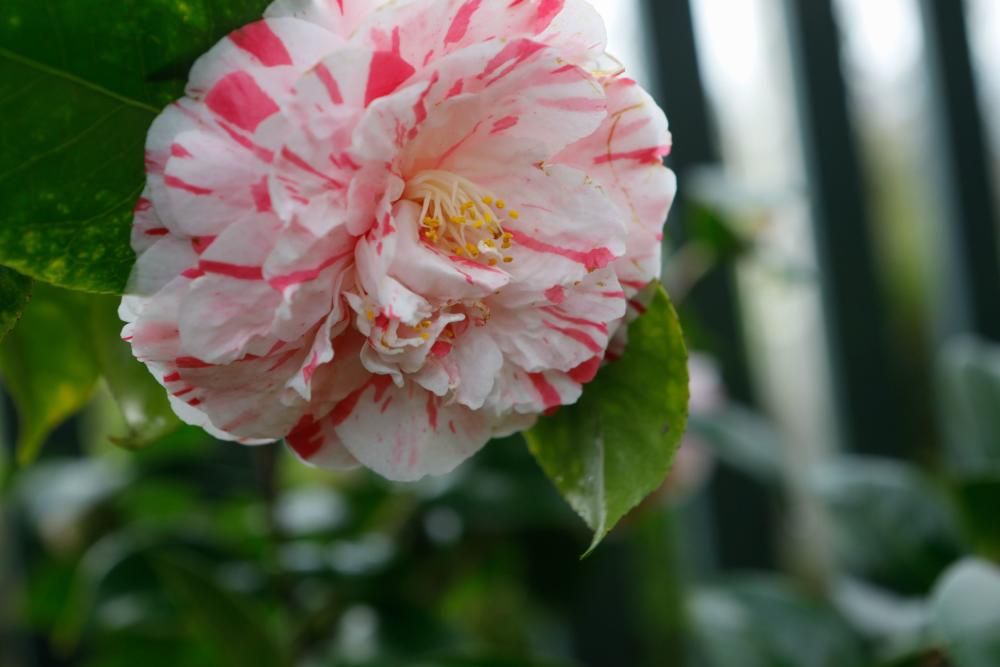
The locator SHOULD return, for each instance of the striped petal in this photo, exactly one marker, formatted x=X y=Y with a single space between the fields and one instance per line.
x=625 y=157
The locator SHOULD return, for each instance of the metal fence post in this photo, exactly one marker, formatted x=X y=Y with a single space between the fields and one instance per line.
x=744 y=523
x=867 y=386
x=971 y=298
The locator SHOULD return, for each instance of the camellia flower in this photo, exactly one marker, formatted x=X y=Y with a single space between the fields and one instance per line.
x=390 y=231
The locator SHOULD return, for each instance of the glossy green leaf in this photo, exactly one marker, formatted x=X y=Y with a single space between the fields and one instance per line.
x=615 y=447
x=48 y=368
x=765 y=622
x=889 y=522
x=225 y=620
x=965 y=614
x=15 y=290
x=53 y=360
x=895 y=626
x=80 y=83
x=142 y=401
x=970 y=382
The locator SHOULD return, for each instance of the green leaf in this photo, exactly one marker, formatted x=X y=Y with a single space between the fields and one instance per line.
x=889 y=523
x=142 y=401
x=896 y=627
x=965 y=614
x=53 y=360
x=613 y=448
x=15 y=290
x=970 y=381
x=48 y=368
x=80 y=83
x=219 y=616
x=764 y=622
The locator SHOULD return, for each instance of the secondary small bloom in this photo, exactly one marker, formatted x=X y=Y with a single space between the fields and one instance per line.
x=389 y=231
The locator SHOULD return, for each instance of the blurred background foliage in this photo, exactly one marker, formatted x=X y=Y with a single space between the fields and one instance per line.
x=777 y=541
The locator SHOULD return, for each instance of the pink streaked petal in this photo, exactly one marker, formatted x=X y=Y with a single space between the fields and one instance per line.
x=159 y=264
x=283 y=47
x=340 y=17
x=394 y=299
x=517 y=106
x=559 y=337
x=435 y=274
x=520 y=392
x=567 y=226
x=386 y=73
x=433 y=29
x=425 y=436
x=238 y=99
x=317 y=444
x=625 y=157
x=214 y=188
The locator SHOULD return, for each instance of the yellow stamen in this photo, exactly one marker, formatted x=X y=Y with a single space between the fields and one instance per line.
x=371 y=316
x=514 y=215
x=508 y=260
x=425 y=336
x=459 y=216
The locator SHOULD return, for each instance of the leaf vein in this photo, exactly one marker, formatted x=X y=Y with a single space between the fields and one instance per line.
x=52 y=71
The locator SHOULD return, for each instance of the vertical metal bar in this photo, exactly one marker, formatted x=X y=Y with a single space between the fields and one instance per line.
x=680 y=90
x=737 y=501
x=678 y=85
x=866 y=390
x=969 y=232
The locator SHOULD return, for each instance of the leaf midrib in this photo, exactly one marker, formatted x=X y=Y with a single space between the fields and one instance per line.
x=72 y=78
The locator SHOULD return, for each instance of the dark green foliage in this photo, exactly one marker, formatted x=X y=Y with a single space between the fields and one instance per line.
x=79 y=87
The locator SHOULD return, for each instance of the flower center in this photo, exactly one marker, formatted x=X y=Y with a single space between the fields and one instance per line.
x=460 y=217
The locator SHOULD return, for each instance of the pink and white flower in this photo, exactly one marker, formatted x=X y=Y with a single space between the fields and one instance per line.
x=390 y=231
